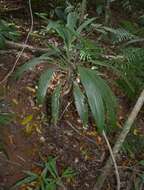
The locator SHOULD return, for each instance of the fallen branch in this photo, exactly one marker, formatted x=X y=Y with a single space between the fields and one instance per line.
x=21 y=52
x=120 y=140
x=140 y=40
x=15 y=53
x=19 y=46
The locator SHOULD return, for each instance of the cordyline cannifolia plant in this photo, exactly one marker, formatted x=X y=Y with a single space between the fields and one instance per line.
x=75 y=59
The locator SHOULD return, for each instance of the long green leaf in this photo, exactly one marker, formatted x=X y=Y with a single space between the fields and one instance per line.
x=30 y=65
x=71 y=20
x=25 y=181
x=114 y=69
x=80 y=104
x=94 y=96
x=85 y=24
x=56 y=104
x=51 y=165
x=66 y=34
x=108 y=99
x=43 y=84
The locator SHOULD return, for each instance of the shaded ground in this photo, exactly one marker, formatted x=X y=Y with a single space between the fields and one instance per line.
x=24 y=146
x=23 y=149
x=84 y=151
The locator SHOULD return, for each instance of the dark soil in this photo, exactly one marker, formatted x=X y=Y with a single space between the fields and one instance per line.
x=23 y=149
x=83 y=150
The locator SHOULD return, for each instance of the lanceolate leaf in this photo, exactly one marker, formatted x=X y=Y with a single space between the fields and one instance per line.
x=114 y=69
x=66 y=34
x=108 y=99
x=30 y=65
x=85 y=24
x=56 y=104
x=81 y=105
x=51 y=165
x=25 y=181
x=72 y=20
x=43 y=84
x=94 y=96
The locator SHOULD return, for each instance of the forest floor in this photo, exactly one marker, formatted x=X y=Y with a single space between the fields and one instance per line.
x=27 y=143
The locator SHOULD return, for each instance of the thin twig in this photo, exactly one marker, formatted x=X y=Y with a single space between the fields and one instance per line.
x=65 y=109
x=26 y=40
x=120 y=140
x=113 y=159
x=79 y=133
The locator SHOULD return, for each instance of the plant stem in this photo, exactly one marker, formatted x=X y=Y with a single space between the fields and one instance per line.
x=107 y=12
x=83 y=10
x=120 y=140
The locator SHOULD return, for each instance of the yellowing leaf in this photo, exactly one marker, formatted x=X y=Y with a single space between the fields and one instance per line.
x=29 y=129
x=30 y=89
x=135 y=132
x=27 y=119
x=15 y=101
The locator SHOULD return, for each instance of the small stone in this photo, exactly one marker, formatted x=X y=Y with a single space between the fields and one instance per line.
x=42 y=139
x=76 y=160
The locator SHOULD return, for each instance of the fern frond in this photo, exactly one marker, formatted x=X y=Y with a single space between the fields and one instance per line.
x=134 y=55
x=132 y=65
x=89 y=50
x=120 y=34
x=127 y=5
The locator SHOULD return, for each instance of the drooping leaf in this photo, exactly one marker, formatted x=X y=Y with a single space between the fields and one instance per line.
x=94 y=96
x=7 y=31
x=43 y=84
x=66 y=34
x=114 y=69
x=30 y=65
x=71 y=20
x=56 y=104
x=85 y=24
x=81 y=104
x=60 y=13
x=25 y=181
x=108 y=99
